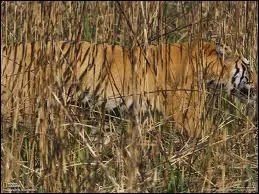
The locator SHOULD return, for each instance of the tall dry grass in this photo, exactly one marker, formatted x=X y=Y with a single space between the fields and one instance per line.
x=65 y=148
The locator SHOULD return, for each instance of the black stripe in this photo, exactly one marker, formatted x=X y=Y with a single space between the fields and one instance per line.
x=86 y=54
x=242 y=77
x=96 y=90
x=14 y=58
x=92 y=57
x=249 y=70
x=210 y=53
x=23 y=61
x=106 y=66
x=32 y=51
x=5 y=50
x=64 y=55
x=67 y=60
x=18 y=71
x=234 y=76
x=83 y=74
x=34 y=66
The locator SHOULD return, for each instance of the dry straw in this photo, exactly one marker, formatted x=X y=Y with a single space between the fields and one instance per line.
x=62 y=147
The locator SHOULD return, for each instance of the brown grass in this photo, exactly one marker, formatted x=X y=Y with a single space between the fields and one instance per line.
x=64 y=148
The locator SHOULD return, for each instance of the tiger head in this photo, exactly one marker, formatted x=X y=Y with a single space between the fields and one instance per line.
x=239 y=79
x=242 y=83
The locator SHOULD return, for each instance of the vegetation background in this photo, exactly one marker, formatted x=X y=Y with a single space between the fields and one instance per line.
x=95 y=153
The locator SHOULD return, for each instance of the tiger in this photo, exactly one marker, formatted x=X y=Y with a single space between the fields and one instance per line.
x=170 y=78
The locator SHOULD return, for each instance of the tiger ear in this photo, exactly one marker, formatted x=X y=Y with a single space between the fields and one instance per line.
x=223 y=50
x=219 y=49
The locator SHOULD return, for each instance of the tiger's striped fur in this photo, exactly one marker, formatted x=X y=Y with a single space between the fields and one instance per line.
x=169 y=78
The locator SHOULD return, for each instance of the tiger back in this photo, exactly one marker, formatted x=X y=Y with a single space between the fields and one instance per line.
x=170 y=78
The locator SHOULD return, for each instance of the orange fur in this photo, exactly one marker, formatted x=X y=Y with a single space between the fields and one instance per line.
x=169 y=78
